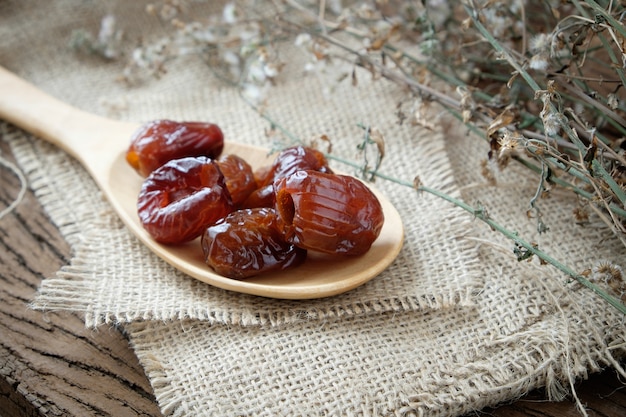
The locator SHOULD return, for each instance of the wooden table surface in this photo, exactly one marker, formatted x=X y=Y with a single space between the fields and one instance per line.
x=51 y=365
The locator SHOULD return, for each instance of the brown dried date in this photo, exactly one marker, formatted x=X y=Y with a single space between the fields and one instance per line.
x=160 y=141
x=294 y=205
x=287 y=162
x=334 y=214
x=180 y=199
x=239 y=177
x=291 y=160
x=261 y=197
x=248 y=242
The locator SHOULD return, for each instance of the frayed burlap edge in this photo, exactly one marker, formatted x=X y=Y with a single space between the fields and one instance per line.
x=59 y=293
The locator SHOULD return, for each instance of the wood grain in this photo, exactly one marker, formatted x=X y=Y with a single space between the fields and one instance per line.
x=51 y=365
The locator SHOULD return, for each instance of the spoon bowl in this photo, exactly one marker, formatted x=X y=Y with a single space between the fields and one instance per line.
x=100 y=145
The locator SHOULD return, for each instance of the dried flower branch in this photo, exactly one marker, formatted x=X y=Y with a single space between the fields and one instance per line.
x=523 y=249
x=106 y=45
x=547 y=92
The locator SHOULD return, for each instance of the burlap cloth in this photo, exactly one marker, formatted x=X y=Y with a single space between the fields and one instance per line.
x=453 y=325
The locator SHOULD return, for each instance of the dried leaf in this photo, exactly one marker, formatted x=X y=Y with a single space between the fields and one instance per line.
x=467 y=115
x=504 y=119
x=514 y=76
x=378 y=44
x=417 y=182
x=590 y=155
x=377 y=137
x=314 y=141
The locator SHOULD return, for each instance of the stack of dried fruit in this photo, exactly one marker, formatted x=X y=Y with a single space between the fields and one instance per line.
x=249 y=221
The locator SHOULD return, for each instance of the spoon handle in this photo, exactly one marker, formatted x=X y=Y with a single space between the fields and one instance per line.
x=94 y=140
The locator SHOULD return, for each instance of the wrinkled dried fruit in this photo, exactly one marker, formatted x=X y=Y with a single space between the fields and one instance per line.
x=263 y=175
x=287 y=162
x=334 y=214
x=248 y=242
x=180 y=199
x=239 y=177
x=290 y=160
x=261 y=197
x=160 y=141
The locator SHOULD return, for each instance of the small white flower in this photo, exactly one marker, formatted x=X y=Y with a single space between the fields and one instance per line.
x=138 y=57
x=303 y=39
x=498 y=23
x=107 y=28
x=256 y=72
x=612 y=101
x=205 y=35
x=509 y=145
x=255 y=93
x=229 y=13
x=335 y=6
x=540 y=43
x=539 y=62
x=109 y=38
x=606 y=271
x=231 y=58
x=365 y=11
x=271 y=70
x=551 y=123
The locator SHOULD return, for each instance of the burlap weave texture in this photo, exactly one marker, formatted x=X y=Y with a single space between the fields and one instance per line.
x=529 y=328
x=138 y=286
x=455 y=324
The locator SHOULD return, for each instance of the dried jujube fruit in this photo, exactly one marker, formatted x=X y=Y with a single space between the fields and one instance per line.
x=180 y=199
x=239 y=177
x=293 y=159
x=248 y=242
x=250 y=222
x=160 y=141
x=287 y=162
x=329 y=213
x=263 y=175
x=261 y=197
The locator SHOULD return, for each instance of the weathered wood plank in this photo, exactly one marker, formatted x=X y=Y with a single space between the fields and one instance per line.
x=50 y=364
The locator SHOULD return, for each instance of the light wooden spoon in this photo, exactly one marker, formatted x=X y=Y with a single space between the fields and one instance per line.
x=99 y=144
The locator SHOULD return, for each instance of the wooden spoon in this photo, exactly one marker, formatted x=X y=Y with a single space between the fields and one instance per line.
x=100 y=144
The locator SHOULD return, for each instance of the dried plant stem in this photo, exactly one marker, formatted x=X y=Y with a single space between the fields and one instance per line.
x=480 y=214
x=585 y=194
x=595 y=103
x=580 y=160
x=597 y=168
x=477 y=212
x=614 y=59
x=364 y=59
x=611 y=152
x=614 y=23
x=472 y=12
x=521 y=71
x=402 y=78
x=611 y=207
x=600 y=170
